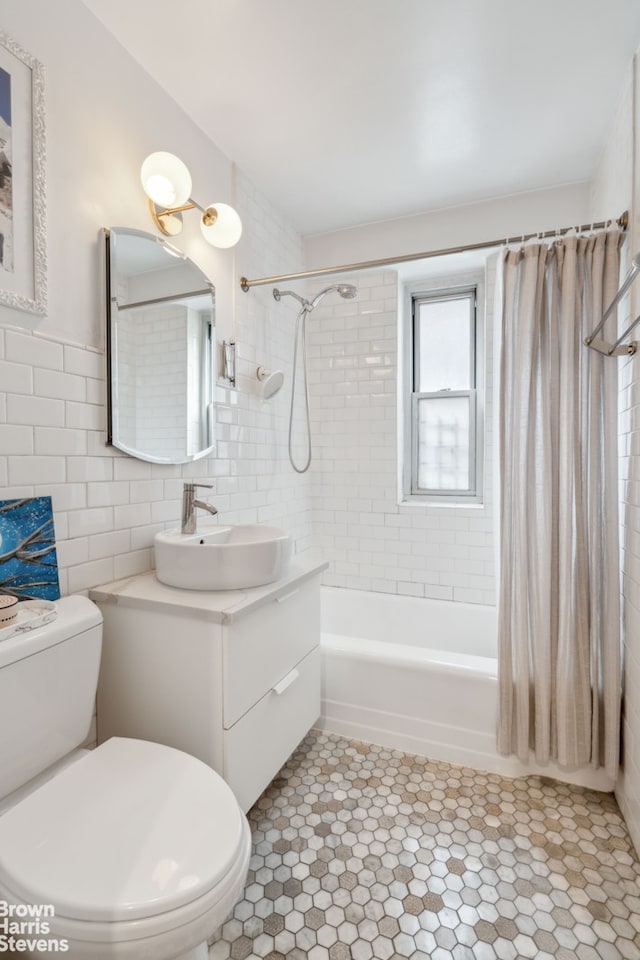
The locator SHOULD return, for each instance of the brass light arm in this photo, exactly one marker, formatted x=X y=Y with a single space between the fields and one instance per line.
x=169 y=219
x=165 y=177
x=191 y=205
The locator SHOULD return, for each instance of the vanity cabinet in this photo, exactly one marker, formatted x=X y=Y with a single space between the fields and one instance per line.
x=232 y=677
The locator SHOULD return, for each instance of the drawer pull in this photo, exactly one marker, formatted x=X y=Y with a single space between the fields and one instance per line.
x=286 y=596
x=286 y=682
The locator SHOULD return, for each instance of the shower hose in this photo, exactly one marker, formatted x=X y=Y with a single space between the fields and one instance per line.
x=300 y=349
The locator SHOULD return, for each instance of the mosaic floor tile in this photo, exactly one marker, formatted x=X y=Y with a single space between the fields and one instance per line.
x=365 y=853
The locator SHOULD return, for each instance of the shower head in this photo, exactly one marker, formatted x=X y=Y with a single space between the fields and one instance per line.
x=346 y=290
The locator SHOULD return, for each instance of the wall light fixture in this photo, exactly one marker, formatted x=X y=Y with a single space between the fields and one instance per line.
x=167 y=183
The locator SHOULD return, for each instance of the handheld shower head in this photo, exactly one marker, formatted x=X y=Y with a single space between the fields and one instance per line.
x=346 y=290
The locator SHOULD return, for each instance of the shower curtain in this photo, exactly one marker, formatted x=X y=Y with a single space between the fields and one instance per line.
x=559 y=636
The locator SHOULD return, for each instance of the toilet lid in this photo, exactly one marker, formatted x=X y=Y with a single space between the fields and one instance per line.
x=131 y=830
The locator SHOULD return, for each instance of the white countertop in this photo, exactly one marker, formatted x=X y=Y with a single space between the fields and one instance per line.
x=218 y=606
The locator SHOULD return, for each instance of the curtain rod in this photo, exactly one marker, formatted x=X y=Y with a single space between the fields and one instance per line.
x=622 y=222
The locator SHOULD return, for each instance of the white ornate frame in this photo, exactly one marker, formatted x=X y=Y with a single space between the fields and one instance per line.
x=31 y=293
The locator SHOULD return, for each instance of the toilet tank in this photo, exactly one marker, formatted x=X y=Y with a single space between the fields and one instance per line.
x=48 y=680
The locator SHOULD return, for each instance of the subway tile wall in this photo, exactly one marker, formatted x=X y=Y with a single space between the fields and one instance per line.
x=153 y=409
x=625 y=144
x=628 y=789
x=616 y=186
x=107 y=505
x=371 y=541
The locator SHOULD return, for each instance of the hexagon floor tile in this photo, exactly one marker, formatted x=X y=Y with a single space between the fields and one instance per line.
x=361 y=852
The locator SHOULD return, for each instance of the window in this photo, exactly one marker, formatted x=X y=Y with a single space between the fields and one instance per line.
x=442 y=407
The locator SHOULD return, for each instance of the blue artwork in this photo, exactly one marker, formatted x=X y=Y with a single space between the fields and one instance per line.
x=28 y=560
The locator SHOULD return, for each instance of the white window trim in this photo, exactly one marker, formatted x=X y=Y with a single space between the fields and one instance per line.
x=449 y=283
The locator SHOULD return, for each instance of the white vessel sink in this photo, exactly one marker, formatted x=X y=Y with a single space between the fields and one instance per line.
x=222 y=557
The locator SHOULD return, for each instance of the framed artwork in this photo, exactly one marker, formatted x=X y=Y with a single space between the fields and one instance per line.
x=28 y=558
x=23 y=227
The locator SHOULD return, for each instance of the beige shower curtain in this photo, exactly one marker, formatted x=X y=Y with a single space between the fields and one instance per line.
x=559 y=639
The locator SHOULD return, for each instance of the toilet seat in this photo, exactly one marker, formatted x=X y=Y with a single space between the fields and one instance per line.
x=133 y=831
x=163 y=937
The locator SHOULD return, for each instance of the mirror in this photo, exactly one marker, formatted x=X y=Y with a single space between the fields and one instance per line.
x=160 y=350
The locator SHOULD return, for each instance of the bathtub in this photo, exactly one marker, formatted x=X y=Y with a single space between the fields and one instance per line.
x=419 y=676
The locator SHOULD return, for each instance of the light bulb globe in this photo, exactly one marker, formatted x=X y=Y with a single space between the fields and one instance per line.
x=166 y=179
x=226 y=229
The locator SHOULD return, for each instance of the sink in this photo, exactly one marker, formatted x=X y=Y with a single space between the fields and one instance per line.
x=222 y=557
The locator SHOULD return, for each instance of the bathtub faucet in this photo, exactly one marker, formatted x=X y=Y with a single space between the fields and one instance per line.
x=190 y=504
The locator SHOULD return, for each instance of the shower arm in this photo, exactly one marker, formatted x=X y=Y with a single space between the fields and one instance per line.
x=279 y=294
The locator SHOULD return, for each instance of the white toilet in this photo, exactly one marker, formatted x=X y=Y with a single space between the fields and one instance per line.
x=132 y=851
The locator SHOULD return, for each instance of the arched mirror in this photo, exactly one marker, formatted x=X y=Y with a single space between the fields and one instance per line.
x=160 y=350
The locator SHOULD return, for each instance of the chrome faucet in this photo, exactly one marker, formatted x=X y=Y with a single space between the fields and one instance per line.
x=190 y=504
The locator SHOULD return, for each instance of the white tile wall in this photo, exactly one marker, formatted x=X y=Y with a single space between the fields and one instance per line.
x=625 y=147
x=108 y=506
x=628 y=790
x=612 y=191
x=161 y=404
x=371 y=541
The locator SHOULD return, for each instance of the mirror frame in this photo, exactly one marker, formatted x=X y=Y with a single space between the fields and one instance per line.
x=111 y=360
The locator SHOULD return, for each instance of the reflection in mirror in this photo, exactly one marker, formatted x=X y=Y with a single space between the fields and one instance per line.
x=160 y=350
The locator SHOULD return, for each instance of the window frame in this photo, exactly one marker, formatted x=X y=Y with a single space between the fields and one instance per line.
x=443 y=288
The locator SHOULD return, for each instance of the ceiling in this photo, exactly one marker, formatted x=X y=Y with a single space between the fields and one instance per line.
x=344 y=112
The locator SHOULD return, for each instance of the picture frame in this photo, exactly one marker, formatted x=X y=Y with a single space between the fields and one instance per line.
x=23 y=226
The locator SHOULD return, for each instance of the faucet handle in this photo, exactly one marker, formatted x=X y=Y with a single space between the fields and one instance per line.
x=194 y=486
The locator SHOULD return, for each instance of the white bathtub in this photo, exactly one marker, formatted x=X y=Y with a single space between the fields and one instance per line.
x=419 y=676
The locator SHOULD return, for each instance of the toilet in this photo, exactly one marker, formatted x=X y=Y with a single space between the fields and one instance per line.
x=131 y=851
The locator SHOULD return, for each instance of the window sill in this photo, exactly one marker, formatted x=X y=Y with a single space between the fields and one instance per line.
x=447 y=503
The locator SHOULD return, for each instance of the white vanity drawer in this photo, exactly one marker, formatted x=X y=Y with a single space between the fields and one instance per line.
x=257 y=745
x=263 y=646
